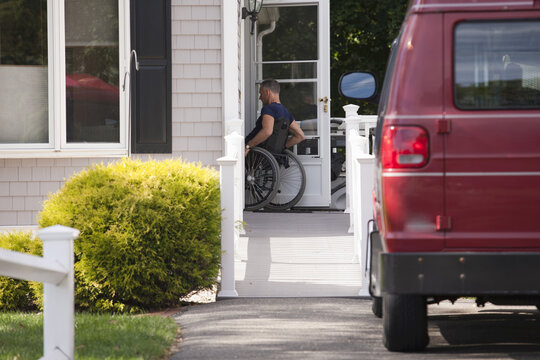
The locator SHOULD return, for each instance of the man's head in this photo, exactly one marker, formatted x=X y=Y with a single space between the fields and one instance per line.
x=269 y=91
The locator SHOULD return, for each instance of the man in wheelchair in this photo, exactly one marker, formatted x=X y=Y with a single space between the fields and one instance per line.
x=273 y=111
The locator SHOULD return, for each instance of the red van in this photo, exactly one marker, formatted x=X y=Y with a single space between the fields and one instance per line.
x=457 y=194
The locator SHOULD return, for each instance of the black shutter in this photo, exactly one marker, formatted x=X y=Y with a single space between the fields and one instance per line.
x=151 y=89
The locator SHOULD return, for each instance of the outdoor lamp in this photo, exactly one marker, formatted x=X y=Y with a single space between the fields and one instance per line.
x=253 y=8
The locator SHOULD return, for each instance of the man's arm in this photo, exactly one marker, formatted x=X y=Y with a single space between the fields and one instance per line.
x=297 y=135
x=266 y=131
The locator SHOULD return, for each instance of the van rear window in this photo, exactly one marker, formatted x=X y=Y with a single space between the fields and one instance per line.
x=497 y=65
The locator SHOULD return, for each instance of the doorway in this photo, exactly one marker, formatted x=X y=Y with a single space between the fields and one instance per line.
x=291 y=44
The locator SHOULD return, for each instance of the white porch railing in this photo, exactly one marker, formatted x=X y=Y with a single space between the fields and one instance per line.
x=232 y=205
x=55 y=271
x=362 y=124
x=360 y=176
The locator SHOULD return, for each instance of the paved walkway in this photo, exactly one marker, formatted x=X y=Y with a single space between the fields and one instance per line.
x=342 y=328
x=296 y=255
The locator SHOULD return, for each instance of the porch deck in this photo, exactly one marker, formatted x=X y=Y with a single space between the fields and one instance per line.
x=296 y=255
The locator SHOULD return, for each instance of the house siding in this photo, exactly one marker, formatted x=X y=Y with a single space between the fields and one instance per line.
x=197 y=116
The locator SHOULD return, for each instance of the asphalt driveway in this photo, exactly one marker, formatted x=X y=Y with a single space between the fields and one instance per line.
x=344 y=328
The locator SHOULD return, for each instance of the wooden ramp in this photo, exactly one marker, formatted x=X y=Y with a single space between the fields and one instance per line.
x=296 y=255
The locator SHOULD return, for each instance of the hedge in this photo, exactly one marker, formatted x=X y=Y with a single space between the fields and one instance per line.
x=18 y=294
x=150 y=232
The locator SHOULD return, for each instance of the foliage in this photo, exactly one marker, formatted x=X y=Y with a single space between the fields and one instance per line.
x=24 y=32
x=97 y=336
x=20 y=294
x=361 y=35
x=150 y=232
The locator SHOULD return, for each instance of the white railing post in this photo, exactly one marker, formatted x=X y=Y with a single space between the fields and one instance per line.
x=234 y=143
x=351 y=123
x=232 y=205
x=360 y=172
x=364 y=212
x=58 y=299
x=357 y=145
x=228 y=231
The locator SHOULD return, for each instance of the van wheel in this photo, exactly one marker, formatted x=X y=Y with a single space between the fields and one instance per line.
x=405 y=323
x=376 y=306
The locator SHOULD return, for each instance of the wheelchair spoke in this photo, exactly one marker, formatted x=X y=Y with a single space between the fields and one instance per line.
x=261 y=178
x=292 y=183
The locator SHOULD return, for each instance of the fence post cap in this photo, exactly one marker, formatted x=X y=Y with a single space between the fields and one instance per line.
x=351 y=110
x=58 y=232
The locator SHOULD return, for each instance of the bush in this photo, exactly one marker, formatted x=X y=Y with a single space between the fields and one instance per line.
x=20 y=294
x=150 y=232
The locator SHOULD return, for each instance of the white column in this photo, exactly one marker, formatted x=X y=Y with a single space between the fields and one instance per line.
x=229 y=61
x=228 y=232
x=58 y=299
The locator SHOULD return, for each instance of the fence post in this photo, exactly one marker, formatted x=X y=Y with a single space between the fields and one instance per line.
x=364 y=212
x=352 y=122
x=235 y=148
x=228 y=232
x=58 y=300
x=357 y=145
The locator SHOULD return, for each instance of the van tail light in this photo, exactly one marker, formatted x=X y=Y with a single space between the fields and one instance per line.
x=404 y=147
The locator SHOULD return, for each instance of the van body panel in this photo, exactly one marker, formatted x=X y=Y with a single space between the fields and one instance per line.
x=419 y=103
x=419 y=70
x=410 y=214
x=492 y=157
x=427 y=6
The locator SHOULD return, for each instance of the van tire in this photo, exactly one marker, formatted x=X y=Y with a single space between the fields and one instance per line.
x=376 y=306
x=405 y=322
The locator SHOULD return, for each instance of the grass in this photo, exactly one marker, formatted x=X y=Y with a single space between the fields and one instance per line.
x=97 y=336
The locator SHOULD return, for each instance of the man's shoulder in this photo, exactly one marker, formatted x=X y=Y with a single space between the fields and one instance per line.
x=275 y=110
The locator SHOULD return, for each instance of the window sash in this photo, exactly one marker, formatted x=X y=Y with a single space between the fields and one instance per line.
x=57 y=145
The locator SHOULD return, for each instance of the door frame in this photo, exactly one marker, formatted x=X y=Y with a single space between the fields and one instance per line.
x=323 y=91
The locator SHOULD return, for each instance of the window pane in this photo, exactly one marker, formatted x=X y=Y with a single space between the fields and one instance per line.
x=290 y=71
x=497 y=65
x=92 y=74
x=294 y=36
x=23 y=72
x=301 y=100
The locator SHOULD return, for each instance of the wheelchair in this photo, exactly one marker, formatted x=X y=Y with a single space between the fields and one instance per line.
x=274 y=176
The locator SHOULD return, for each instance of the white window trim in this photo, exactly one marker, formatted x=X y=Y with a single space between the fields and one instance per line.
x=57 y=147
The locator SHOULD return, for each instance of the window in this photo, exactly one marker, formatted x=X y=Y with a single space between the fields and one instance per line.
x=23 y=72
x=60 y=77
x=497 y=65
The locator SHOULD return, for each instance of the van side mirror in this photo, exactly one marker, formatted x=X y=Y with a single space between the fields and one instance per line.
x=358 y=86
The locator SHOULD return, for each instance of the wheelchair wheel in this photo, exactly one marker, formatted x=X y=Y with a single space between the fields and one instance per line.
x=292 y=182
x=262 y=178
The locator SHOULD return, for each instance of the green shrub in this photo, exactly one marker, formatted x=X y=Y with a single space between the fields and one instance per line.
x=20 y=294
x=150 y=232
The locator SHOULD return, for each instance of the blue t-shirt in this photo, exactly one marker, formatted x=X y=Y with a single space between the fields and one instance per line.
x=275 y=110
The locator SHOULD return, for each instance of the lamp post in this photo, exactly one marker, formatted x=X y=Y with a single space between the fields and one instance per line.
x=253 y=8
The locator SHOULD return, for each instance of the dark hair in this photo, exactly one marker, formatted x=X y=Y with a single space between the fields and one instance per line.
x=271 y=85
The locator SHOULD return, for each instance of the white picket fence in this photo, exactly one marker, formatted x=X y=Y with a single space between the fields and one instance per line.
x=359 y=177
x=232 y=204
x=55 y=271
